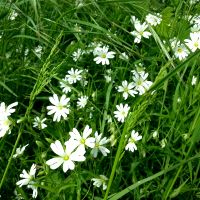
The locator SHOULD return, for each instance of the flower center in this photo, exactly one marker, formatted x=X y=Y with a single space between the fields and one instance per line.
x=139 y=82
x=82 y=141
x=196 y=44
x=132 y=140
x=180 y=50
x=103 y=55
x=126 y=89
x=97 y=145
x=66 y=157
x=123 y=113
x=60 y=106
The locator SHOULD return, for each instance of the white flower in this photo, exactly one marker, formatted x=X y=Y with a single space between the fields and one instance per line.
x=38 y=51
x=84 y=140
x=155 y=134
x=77 y=54
x=64 y=84
x=180 y=51
x=74 y=76
x=163 y=143
x=194 y=80
x=154 y=19
x=141 y=84
x=131 y=146
x=66 y=156
x=13 y=15
x=4 y=126
x=82 y=101
x=123 y=56
x=7 y=111
x=122 y=112
x=38 y=122
x=19 y=151
x=194 y=42
x=103 y=55
x=34 y=188
x=27 y=177
x=60 y=108
x=99 y=145
x=102 y=181
x=108 y=78
x=94 y=46
x=127 y=88
x=193 y=1
x=140 y=32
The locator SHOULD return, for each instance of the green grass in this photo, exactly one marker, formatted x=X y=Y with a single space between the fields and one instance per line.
x=151 y=172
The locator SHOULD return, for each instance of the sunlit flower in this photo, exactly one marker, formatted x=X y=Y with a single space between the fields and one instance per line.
x=140 y=32
x=82 y=101
x=34 y=188
x=127 y=89
x=77 y=54
x=154 y=19
x=66 y=157
x=38 y=51
x=131 y=146
x=103 y=55
x=82 y=140
x=27 y=177
x=64 y=84
x=39 y=122
x=194 y=42
x=141 y=84
x=19 y=151
x=102 y=181
x=123 y=56
x=194 y=80
x=73 y=76
x=122 y=112
x=13 y=15
x=60 y=108
x=180 y=51
x=163 y=143
x=99 y=142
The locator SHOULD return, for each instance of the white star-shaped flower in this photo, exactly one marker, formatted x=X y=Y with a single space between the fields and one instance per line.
x=131 y=146
x=84 y=140
x=82 y=101
x=27 y=177
x=39 y=122
x=140 y=32
x=194 y=42
x=141 y=84
x=60 y=108
x=103 y=55
x=101 y=181
x=122 y=112
x=66 y=157
x=127 y=89
x=73 y=76
x=99 y=142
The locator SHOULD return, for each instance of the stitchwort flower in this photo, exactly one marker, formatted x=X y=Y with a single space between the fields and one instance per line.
x=103 y=55
x=66 y=156
x=60 y=108
x=131 y=146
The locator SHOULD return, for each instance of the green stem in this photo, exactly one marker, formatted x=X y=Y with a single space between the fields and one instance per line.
x=117 y=158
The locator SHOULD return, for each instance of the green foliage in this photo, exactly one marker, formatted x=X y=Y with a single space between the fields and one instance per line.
x=171 y=106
